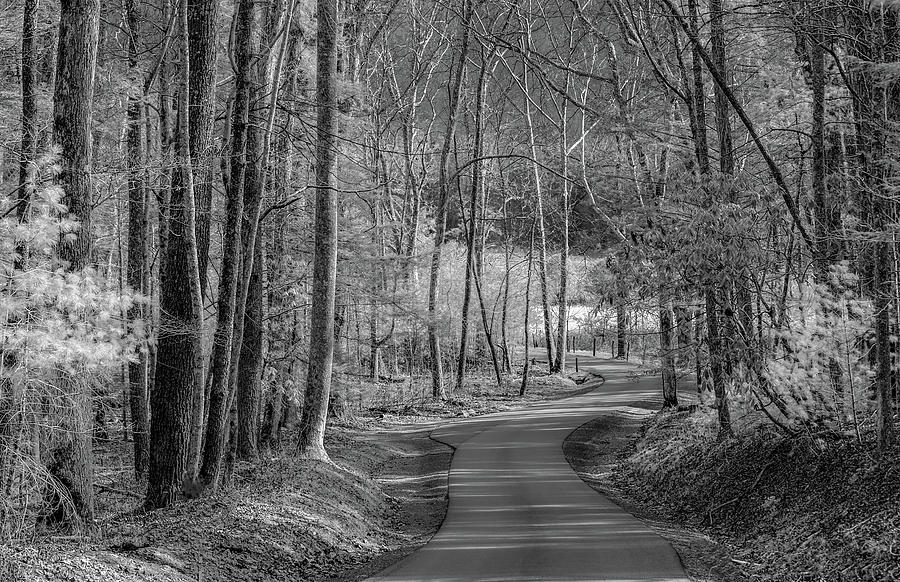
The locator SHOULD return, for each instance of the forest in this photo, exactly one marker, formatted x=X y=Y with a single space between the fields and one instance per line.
x=244 y=240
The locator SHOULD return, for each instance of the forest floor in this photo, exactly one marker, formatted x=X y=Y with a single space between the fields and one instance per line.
x=283 y=518
x=757 y=507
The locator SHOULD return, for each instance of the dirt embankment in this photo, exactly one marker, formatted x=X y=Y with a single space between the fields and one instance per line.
x=383 y=496
x=757 y=507
x=284 y=519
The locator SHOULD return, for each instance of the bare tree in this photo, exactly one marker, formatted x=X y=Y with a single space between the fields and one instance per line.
x=440 y=215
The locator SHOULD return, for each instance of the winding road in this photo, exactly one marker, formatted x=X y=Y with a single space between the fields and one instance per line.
x=518 y=512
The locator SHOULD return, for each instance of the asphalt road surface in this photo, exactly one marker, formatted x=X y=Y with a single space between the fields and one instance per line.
x=519 y=513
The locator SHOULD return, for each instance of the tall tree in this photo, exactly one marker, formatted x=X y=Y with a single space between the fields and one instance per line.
x=70 y=456
x=10 y=396
x=726 y=167
x=202 y=22
x=203 y=18
x=224 y=344
x=179 y=360
x=321 y=338
x=443 y=202
x=475 y=189
x=138 y=233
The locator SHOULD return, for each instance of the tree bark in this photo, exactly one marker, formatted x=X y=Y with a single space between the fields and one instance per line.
x=719 y=58
x=29 y=106
x=70 y=456
x=669 y=386
x=249 y=387
x=179 y=356
x=715 y=362
x=11 y=419
x=621 y=330
x=203 y=25
x=138 y=237
x=321 y=351
x=229 y=280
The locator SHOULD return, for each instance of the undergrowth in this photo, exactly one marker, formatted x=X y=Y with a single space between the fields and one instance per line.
x=793 y=509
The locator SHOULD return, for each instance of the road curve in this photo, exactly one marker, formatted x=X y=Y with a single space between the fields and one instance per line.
x=519 y=513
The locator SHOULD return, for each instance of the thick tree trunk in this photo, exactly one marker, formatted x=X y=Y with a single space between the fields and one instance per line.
x=29 y=105
x=719 y=355
x=70 y=460
x=179 y=356
x=138 y=237
x=321 y=350
x=249 y=387
x=203 y=24
x=265 y=81
x=229 y=279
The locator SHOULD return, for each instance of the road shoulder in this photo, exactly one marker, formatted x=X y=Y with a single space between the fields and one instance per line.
x=593 y=450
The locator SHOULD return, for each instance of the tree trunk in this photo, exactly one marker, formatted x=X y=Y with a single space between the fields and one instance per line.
x=11 y=420
x=203 y=25
x=29 y=106
x=666 y=357
x=477 y=152
x=179 y=357
x=250 y=376
x=527 y=363
x=539 y=209
x=715 y=362
x=440 y=216
x=719 y=356
x=321 y=351
x=70 y=461
x=224 y=338
x=138 y=236
x=621 y=330
x=559 y=364
x=504 y=309
x=883 y=290
x=719 y=57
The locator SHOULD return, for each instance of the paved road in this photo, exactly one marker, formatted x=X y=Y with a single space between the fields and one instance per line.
x=519 y=513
